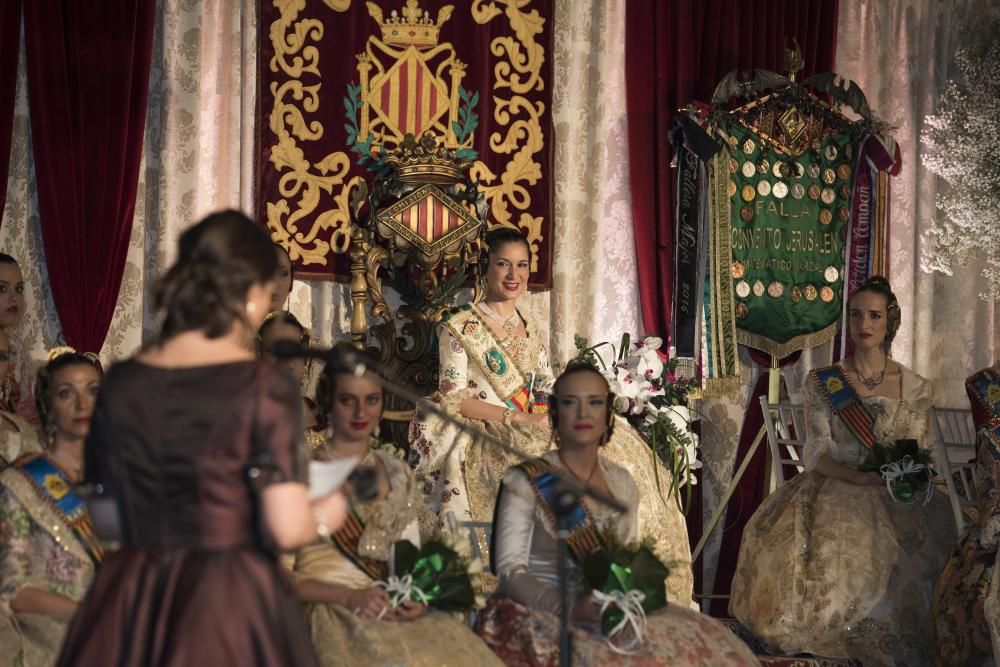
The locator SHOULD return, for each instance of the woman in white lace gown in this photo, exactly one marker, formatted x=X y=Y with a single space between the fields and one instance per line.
x=830 y=564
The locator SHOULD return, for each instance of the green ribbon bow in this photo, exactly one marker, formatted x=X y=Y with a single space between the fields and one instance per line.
x=630 y=570
x=438 y=572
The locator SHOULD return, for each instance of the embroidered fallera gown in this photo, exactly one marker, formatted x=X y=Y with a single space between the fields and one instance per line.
x=515 y=372
x=966 y=614
x=836 y=569
x=40 y=548
x=520 y=622
x=22 y=439
x=343 y=638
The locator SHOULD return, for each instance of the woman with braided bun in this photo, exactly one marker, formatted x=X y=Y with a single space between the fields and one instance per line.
x=520 y=623
x=831 y=563
x=342 y=580
x=48 y=550
x=195 y=459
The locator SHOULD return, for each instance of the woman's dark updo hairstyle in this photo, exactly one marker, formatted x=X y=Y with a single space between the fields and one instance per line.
x=327 y=383
x=283 y=317
x=218 y=260
x=43 y=380
x=497 y=238
x=7 y=259
x=893 y=316
x=576 y=367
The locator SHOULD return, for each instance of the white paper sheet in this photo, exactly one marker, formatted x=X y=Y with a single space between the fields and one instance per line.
x=326 y=477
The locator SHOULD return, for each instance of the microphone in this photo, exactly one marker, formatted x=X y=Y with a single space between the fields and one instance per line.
x=290 y=349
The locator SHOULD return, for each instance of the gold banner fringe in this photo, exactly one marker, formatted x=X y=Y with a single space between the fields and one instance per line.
x=724 y=388
x=781 y=350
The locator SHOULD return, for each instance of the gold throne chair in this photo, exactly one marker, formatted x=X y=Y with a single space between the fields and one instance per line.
x=416 y=230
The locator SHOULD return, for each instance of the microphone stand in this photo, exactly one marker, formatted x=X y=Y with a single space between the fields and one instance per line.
x=564 y=500
x=566 y=497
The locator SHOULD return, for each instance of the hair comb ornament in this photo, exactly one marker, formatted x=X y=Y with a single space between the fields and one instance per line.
x=63 y=350
x=60 y=351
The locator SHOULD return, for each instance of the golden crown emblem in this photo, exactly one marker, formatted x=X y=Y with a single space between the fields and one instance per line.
x=426 y=161
x=411 y=26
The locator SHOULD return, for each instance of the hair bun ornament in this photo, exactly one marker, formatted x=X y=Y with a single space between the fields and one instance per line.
x=60 y=351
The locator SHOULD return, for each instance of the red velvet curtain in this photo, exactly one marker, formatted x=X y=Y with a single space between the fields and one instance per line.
x=88 y=75
x=676 y=51
x=10 y=43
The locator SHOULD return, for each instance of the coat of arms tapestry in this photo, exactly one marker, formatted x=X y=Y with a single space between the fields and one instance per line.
x=342 y=82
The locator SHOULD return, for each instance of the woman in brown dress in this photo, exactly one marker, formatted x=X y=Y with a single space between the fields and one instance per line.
x=194 y=455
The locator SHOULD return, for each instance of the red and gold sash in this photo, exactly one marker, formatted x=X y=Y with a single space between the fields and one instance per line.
x=984 y=389
x=845 y=403
x=347 y=539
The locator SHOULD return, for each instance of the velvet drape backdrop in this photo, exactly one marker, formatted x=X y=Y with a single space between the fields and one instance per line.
x=10 y=43
x=88 y=78
x=676 y=51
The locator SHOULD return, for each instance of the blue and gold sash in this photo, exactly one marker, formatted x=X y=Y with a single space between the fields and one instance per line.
x=56 y=491
x=347 y=538
x=845 y=403
x=484 y=350
x=985 y=387
x=584 y=537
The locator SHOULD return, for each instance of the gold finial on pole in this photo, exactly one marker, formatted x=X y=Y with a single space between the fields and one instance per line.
x=793 y=59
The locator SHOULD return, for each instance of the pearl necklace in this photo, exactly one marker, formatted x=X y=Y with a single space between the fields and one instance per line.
x=508 y=325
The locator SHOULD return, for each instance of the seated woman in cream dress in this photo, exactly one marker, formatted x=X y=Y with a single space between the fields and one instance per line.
x=830 y=564
x=17 y=437
x=495 y=375
x=520 y=622
x=348 y=614
x=48 y=552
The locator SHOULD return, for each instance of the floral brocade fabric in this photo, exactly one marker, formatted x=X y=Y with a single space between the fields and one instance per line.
x=674 y=636
x=966 y=608
x=832 y=568
x=344 y=639
x=39 y=550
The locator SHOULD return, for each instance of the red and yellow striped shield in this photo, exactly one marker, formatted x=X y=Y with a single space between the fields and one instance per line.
x=429 y=220
x=409 y=98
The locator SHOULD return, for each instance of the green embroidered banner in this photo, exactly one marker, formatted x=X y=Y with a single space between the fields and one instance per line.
x=790 y=217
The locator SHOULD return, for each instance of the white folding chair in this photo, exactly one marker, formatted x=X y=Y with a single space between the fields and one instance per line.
x=786 y=432
x=955 y=436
